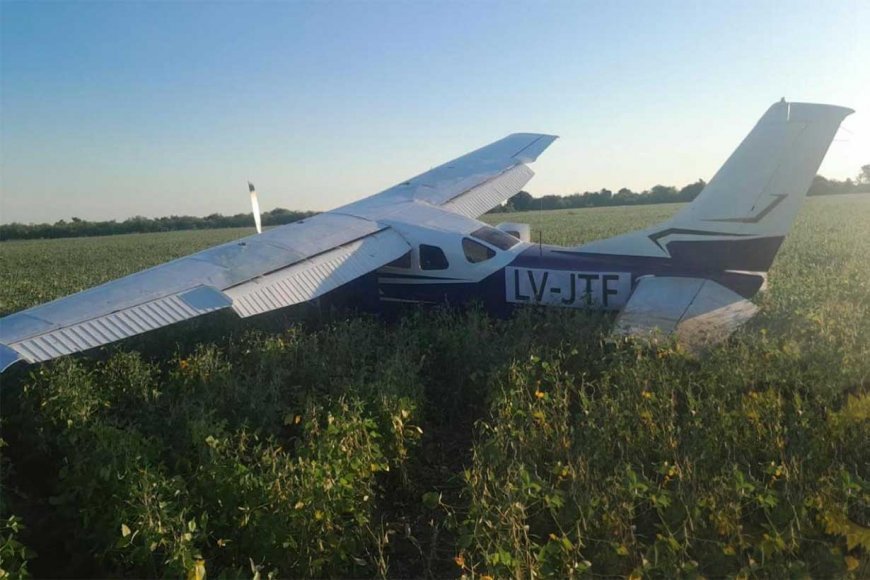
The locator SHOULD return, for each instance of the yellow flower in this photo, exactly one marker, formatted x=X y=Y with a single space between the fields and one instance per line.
x=539 y=394
x=197 y=571
x=460 y=561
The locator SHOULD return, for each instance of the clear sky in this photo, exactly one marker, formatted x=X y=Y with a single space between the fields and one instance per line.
x=113 y=109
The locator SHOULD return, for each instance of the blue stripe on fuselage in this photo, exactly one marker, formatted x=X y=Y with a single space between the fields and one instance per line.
x=561 y=258
x=491 y=291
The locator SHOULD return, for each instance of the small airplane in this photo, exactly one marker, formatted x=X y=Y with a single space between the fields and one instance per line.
x=421 y=242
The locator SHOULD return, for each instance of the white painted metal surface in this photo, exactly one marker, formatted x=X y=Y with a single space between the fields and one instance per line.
x=448 y=181
x=567 y=289
x=494 y=192
x=315 y=276
x=118 y=325
x=657 y=305
x=761 y=186
x=698 y=311
x=422 y=223
x=715 y=313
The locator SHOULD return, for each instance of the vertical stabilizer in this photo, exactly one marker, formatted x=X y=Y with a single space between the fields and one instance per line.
x=741 y=217
x=760 y=188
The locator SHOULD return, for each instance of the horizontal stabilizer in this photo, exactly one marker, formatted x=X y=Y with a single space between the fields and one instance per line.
x=699 y=312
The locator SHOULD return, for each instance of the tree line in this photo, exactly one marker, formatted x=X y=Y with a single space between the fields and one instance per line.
x=77 y=227
x=523 y=201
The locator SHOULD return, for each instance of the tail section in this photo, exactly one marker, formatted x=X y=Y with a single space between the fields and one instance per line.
x=741 y=217
x=762 y=185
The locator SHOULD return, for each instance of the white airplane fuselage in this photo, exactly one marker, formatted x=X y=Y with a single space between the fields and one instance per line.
x=554 y=276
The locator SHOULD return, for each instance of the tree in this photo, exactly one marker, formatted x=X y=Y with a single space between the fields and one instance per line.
x=691 y=191
x=522 y=201
x=662 y=194
x=864 y=176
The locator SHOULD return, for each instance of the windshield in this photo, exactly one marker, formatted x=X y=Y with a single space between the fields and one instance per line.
x=495 y=237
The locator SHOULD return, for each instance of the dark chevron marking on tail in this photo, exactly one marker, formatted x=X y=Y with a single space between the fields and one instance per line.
x=757 y=218
x=663 y=233
x=753 y=254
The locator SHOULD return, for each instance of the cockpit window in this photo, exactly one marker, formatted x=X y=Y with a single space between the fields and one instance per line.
x=432 y=258
x=497 y=238
x=403 y=261
x=475 y=251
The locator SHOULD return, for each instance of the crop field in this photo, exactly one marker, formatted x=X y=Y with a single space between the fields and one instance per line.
x=447 y=444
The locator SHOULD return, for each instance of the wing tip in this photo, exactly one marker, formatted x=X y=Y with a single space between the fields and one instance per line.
x=8 y=357
x=534 y=136
x=536 y=144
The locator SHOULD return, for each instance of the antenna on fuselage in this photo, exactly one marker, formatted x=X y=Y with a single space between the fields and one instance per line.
x=255 y=207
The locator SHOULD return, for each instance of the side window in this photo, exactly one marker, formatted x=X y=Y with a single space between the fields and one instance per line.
x=403 y=261
x=475 y=251
x=432 y=258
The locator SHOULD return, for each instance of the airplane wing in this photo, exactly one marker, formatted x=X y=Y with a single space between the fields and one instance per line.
x=470 y=185
x=283 y=266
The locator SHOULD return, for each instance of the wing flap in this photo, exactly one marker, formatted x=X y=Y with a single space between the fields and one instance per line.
x=481 y=199
x=120 y=324
x=697 y=311
x=317 y=275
